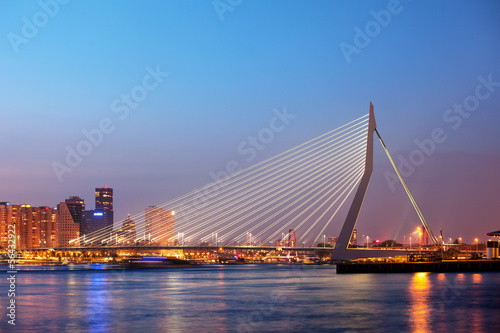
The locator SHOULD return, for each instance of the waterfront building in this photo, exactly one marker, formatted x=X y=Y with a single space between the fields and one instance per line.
x=69 y=221
x=94 y=220
x=48 y=227
x=35 y=227
x=159 y=225
x=102 y=215
x=7 y=217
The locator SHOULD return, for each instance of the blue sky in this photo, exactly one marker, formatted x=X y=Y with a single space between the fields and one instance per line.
x=226 y=77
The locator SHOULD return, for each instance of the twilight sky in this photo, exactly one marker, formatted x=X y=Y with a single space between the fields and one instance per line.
x=206 y=77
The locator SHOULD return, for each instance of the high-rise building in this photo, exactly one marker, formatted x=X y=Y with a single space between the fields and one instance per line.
x=8 y=217
x=129 y=230
x=104 y=205
x=102 y=215
x=69 y=220
x=35 y=227
x=94 y=220
x=87 y=222
x=28 y=227
x=159 y=225
x=48 y=227
x=104 y=198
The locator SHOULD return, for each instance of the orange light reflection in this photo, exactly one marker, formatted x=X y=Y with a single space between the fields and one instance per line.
x=420 y=309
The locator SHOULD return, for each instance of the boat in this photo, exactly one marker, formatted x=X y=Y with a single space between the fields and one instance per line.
x=154 y=262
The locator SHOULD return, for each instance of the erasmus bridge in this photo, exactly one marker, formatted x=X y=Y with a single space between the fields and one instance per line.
x=298 y=193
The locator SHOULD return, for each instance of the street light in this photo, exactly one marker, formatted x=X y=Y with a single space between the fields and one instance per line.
x=410 y=243
x=367 y=242
x=460 y=243
x=419 y=240
x=477 y=244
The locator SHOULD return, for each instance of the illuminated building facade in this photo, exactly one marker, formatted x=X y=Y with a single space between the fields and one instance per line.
x=35 y=227
x=354 y=238
x=333 y=241
x=69 y=220
x=94 y=220
x=48 y=227
x=159 y=225
x=8 y=216
x=102 y=215
x=128 y=230
x=104 y=198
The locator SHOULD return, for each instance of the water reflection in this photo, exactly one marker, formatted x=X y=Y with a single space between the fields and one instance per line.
x=259 y=298
x=420 y=309
x=477 y=278
x=477 y=319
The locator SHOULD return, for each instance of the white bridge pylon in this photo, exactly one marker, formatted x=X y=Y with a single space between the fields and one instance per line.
x=342 y=250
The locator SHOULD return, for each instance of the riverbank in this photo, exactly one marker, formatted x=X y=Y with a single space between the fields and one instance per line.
x=452 y=266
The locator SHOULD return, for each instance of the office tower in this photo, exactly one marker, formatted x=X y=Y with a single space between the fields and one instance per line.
x=102 y=215
x=69 y=220
x=104 y=198
x=87 y=222
x=104 y=205
x=94 y=220
x=159 y=225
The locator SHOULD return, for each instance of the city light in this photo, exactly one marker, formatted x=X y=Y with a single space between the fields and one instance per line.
x=420 y=240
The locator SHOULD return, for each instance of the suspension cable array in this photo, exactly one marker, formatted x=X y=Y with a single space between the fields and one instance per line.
x=299 y=192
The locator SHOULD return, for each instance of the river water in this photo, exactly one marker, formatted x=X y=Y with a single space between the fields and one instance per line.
x=250 y=298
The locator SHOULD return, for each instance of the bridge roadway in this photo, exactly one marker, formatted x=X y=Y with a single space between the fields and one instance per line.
x=185 y=247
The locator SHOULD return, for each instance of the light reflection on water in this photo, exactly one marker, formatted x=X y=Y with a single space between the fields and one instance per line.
x=420 y=309
x=254 y=298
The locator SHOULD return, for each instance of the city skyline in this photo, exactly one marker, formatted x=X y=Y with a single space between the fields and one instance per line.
x=212 y=85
